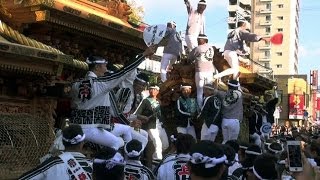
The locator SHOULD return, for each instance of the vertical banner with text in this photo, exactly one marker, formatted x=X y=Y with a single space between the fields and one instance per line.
x=296 y=106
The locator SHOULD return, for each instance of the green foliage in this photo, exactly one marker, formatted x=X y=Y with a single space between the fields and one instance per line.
x=137 y=14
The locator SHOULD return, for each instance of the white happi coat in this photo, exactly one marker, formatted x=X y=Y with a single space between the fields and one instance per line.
x=174 y=168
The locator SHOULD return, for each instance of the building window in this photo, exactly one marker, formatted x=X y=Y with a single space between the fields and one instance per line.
x=268 y=30
x=279 y=65
x=280 y=17
x=280 y=5
x=279 y=53
x=268 y=6
x=268 y=18
x=267 y=54
x=280 y=29
x=267 y=43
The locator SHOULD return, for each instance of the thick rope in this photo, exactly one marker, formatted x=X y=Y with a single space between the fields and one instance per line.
x=22 y=39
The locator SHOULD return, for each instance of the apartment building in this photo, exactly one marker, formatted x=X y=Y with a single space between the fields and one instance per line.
x=270 y=17
x=238 y=9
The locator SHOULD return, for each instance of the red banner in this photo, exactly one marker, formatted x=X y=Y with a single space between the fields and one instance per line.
x=296 y=106
x=318 y=104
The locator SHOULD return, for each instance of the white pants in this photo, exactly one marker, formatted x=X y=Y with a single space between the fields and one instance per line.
x=209 y=133
x=163 y=136
x=140 y=135
x=155 y=137
x=192 y=41
x=187 y=130
x=121 y=130
x=233 y=60
x=230 y=129
x=256 y=139
x=201 y=79
x=102 y=137
x=166 y=63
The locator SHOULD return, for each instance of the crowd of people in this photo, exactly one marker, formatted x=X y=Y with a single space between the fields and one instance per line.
x=109 y=110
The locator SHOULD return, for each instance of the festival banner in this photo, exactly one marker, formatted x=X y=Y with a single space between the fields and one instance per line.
x=296 y=106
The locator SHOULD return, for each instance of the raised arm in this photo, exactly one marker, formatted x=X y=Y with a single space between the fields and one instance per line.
x=251 y=37
x=189 y=8
x=106 y=83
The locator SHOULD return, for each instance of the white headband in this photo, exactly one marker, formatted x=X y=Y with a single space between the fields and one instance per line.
x=197 y=158
x=133 y=153
x=116 y=160
x=181 y=87
x=141 y=80
x=233 y=85
x=243 y=147
x=76 y=140
x=252 y=153
x=98 y=61
x=202 y=37
x=154 y=87
x=257 y=175
x=203 y=3
x=275 y=151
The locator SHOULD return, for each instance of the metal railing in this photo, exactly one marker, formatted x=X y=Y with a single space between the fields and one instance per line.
x=256 y=67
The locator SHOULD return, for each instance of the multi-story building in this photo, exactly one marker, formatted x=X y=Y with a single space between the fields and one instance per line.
x=270 y=17
x=238 y=9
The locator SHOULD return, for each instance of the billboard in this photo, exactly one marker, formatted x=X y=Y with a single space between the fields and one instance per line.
x=296 y=106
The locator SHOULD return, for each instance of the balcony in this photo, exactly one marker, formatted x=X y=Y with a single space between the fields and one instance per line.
x=265 y=23
x=233 y=8
x=246 y=2
x=265 y=0
x=264 y=71
x=265 y=59
x=266 y=35
x=267 y=47
x=265 y=11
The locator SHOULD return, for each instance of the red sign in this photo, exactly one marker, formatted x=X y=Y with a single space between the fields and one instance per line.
x=296 y=106
x=318 y=104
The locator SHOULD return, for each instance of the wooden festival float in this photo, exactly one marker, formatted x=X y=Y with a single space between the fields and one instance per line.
x=43 y=46
x=253 y=85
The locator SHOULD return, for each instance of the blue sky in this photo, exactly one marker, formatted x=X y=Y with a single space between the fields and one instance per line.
x=162 y=11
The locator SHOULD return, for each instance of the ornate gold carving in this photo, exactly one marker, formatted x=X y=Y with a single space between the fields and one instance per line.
x=119 y=9
x=42 y=15
x=3 y=10
x=49 y=3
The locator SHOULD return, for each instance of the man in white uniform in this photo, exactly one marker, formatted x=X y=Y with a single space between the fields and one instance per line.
x=175 y=167
x=204 y=68
x=134 y=169
x=196 y=23
x=91 y=100
x=69 y=165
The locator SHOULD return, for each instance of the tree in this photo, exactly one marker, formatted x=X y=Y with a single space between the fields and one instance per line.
x=137 y=14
